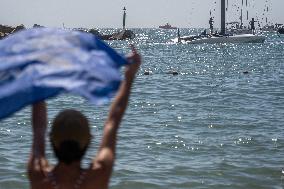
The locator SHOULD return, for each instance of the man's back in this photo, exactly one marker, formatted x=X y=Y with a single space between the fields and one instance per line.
x=70 y=137
x=70 y=177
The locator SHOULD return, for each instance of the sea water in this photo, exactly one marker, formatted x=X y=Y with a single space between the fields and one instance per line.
x=218 y=123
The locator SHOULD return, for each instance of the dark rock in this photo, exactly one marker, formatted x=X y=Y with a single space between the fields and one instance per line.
x=18 y=28
x=7 y=30
x=124 y=34
x=37 y=26
x=94 y=32
x=146 y=72
x=172 y=72
x=281 y=30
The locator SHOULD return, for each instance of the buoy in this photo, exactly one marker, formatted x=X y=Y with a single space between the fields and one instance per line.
x=172 y=72
x=175 y=73
x=146 y=72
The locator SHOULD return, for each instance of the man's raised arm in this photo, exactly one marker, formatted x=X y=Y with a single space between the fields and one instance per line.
x=106 y=153
x=37 y=162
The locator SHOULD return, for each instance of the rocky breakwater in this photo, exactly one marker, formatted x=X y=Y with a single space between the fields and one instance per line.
x=121 y=35
x=281 y=30
x=7 y=30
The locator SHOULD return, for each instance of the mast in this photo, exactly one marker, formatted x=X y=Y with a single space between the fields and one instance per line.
x=223 y=17
x=247 y=9
x=179 y=40
x=241 y=18
x=211 y=25
x=124 y=18
x=266 y=15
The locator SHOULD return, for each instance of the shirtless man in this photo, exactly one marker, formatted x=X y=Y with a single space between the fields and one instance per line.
x=70 y=137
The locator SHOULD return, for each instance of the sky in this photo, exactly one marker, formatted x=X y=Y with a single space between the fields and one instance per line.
x=140 y=13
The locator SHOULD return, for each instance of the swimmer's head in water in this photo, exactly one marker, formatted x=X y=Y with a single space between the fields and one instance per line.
x=70 y=136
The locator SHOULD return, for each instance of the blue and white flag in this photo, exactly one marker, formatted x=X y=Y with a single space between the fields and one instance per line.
x=36 y=64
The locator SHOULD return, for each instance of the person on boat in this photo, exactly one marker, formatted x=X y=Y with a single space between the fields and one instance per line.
x=203 y=33
x=216 y=34
x=178 y=33
x=70 y=138
x=252 y=25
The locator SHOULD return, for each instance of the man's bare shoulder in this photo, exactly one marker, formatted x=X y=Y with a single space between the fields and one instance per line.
x=40 y=180
x=97 y=175
x=99 y=169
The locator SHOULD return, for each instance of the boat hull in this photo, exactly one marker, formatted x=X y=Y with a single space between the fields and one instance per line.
x=245 y=38
x=167 y=27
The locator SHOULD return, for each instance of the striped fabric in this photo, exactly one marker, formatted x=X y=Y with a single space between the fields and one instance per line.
x=36 y=64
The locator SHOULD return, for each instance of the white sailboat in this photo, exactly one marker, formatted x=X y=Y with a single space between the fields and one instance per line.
x=242 y=38
x=222 y=37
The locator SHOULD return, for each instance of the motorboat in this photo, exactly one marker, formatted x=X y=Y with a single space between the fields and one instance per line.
x=167 y=26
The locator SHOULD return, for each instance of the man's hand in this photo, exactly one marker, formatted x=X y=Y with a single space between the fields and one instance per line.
x=135 y=61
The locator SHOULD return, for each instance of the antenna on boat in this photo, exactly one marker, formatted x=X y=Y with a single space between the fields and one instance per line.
x=223 y=17
x=247 y=8
x=241 y=17
x=124 y=18
x=227 y=5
